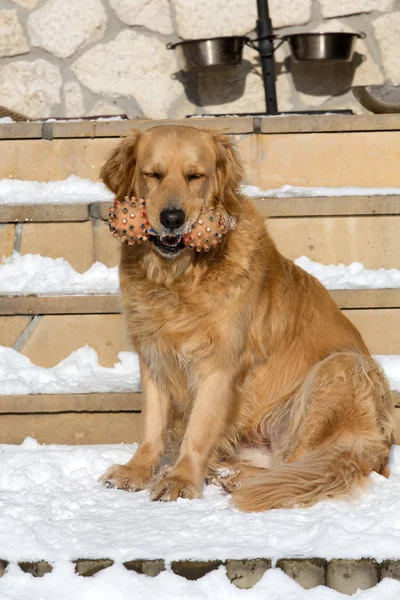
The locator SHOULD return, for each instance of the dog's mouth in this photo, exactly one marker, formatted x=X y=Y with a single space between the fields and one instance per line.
x=169 y=245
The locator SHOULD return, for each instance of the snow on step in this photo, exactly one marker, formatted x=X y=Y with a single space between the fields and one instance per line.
x=350 y=277
x=73 y=190
x=81 y=373
x=35 y=274
x=290 y=191
x=21 y=275
x=53 y=509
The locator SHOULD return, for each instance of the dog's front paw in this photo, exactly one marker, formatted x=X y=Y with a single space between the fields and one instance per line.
x=129 y=478
x=170 y=488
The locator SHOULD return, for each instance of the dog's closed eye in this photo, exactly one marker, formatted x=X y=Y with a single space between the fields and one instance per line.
x=194 y=176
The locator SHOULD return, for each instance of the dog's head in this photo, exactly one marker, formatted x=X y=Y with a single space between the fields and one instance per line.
x=176 y=170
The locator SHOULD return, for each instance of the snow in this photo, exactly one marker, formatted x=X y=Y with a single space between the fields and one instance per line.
x=73 y=190
x=6 y=120
x=21 y=275
x=117 y=582
x=53 y=508
x=79 y=373
x=350 y=277
x=290 y=191
x=35 y=274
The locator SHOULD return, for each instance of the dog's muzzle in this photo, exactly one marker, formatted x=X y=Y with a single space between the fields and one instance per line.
x=128 y=222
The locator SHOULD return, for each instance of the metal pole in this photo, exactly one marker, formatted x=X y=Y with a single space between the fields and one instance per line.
x=266 y=49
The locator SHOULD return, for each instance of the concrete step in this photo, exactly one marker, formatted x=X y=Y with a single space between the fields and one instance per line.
x=103 y=304
x=38 y=336
x=333 y=150
x=327 y=230
x=107 y=418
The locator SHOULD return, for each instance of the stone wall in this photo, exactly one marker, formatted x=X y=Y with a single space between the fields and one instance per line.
x=69 y=58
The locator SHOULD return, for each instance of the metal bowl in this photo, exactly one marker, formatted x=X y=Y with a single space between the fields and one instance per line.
x=323 y=47
x=211 y=52
x=383 y=98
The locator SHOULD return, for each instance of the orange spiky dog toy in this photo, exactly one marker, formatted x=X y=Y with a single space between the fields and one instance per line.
x=128 y=222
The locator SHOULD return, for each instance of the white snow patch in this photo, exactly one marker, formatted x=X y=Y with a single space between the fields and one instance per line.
x=79 y=373
x=117 y=582
x=73 y=190
x=291 y=191
x=52 y=508
x=21 y=275
x=350 y=277
x=6 y=120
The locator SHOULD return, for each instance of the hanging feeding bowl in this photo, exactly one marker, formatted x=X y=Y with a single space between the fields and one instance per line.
x=323 y=47
x=383 y=98
x=210 y=52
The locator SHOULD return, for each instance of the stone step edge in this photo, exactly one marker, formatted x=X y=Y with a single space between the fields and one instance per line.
x=95 y=402
x=301 y=207
x=285 y=124
x=107 y=402
x=111 y=303
x=343 y=575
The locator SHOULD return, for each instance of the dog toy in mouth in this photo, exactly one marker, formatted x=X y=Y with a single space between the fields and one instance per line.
x=128 y=222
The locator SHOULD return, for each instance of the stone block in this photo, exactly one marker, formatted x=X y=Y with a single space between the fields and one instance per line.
x=61 y=28
x=340 y=8
x=72 y=428
x=57 y=336
x=73 y=99
x=134 y=66
x=26 y=3
x=153 y=14
x=322 y=159
x=387 y=32
x=6 y=240
x=37 y=569
x=245 y=573
x=194 y=569
x=308 y=572
x=213 y=18
x=391 y=568
x=151 y=568
x=18 y=79
x=11 y=328
x=87 y=567
x=12 y=38
x=71 y=241
x=348 y=576
x=105 y=108
x=380 y=328
x=106 y=248
x=43 y=160
x=372 y=241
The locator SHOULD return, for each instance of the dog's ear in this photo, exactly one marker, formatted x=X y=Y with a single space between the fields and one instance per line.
x=230 y=173
x=118 y=171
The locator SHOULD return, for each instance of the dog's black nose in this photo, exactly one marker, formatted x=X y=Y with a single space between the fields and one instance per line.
x=172 y=218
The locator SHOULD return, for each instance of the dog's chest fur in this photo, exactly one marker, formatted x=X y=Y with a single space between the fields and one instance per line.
x=174 y=329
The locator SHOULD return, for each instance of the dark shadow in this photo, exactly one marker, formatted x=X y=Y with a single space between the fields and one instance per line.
x=330 y=79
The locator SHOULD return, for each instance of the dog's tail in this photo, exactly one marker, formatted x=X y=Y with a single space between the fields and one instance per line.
x=318 y=475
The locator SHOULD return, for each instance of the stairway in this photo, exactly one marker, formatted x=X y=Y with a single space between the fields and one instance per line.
x=335 y=150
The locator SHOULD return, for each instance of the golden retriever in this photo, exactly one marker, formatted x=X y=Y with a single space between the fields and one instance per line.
x=251 y=375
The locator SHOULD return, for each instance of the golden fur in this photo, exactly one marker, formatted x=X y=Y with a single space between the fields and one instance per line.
x=246 y=362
